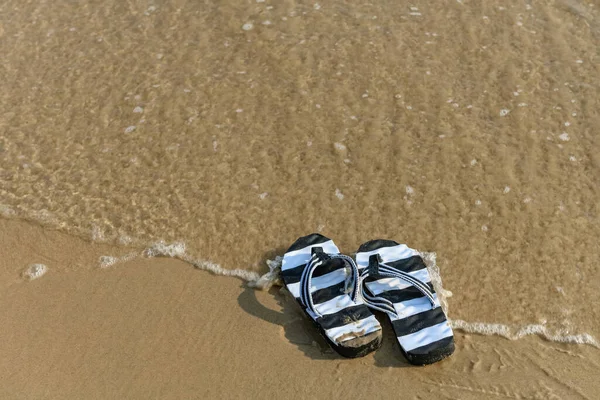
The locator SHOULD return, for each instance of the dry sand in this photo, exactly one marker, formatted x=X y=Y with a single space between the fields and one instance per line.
x=463 y=128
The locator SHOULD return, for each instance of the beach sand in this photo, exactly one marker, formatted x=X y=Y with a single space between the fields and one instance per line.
x=219 y=132
x=159 y=328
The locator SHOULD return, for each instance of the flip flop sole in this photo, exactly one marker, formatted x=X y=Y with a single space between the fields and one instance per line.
x=422 y=331
x=331 y=282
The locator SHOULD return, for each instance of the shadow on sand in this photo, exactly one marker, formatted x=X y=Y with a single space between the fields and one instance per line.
x=300 y=331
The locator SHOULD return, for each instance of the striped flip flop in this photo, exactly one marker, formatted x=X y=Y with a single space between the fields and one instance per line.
x=325 y=284
x=395 y=280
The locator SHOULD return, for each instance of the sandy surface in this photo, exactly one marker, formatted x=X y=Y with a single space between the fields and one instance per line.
x=135 y=122
x=468 y=129
x=159 y=328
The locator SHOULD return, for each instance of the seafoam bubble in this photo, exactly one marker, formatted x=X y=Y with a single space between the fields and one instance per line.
x=34 y=271
x=107 y=261
x=339 y=146
x=273 y=277
x=436 y=279
x=97 y=234
x=339 y=194
x=515 y=333
x=176 y=249
x=504 y=112
x=564 y=137
x=138 y=110
x=248 y=26
x=130 y=129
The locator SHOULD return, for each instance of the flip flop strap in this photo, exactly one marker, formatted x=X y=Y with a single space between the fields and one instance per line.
x=316 y=260
x=381 y=269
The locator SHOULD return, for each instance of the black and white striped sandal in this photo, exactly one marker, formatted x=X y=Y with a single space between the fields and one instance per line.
x=325 y=283
x=394 y=279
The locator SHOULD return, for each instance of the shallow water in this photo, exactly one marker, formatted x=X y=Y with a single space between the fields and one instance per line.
x=468 y=130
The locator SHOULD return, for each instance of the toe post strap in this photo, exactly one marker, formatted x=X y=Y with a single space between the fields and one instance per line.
x=377 y=269
x=317 y=259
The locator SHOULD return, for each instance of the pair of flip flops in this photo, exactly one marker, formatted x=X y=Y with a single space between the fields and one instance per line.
x=337 y=293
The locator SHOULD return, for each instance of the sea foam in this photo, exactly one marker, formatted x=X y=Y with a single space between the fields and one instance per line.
x=34 y=271
x=178 y=250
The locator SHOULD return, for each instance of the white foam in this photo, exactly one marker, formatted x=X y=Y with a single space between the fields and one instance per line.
x=178 y=250
x=175 y=250
x=125 y=240
x=109 y=261
x=218 y=270
x=436 y=279
x=339 y=146
x=34 y=271
x=98 y=234
x=515 y=333
x=273 y=277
